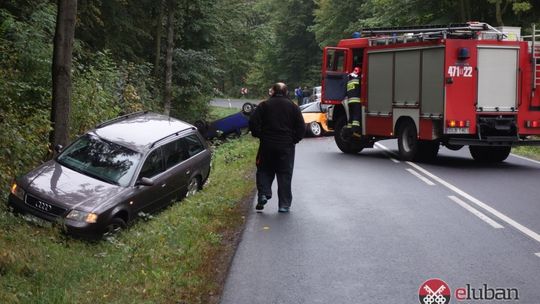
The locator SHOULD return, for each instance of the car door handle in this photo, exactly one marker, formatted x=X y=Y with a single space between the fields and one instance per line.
x=188 y=172
x=163 y=185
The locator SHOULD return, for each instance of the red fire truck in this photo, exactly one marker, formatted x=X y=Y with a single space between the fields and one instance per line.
x=453 y=85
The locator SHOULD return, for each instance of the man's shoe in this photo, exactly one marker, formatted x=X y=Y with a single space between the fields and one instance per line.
x=261 y=201
x=283 y=209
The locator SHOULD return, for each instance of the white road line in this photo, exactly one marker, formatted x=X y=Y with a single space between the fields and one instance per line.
x=537 y=254
x=421 y=177
x=479 y=214
x=525 y=158
x=389 y=153
x=535 y=236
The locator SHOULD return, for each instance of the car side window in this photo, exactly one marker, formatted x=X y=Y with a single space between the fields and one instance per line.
x=153 y=165
x=193 y=145
x=174 y=153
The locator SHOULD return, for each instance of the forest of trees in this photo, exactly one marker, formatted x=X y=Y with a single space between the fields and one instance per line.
x=174 y=55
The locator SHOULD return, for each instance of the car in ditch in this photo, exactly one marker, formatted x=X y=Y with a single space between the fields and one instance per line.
x=137 y=163
x=231 y=124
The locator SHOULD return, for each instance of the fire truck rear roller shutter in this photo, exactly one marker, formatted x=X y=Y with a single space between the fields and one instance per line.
x=433 y=81
x=407 y=77
x=380 y=82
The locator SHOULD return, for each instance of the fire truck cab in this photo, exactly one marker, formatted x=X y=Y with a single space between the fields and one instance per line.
x=453 y=85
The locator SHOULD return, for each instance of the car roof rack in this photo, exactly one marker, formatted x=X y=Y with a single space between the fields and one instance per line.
x=404 y=34
x=170 y=135
x=123 y=117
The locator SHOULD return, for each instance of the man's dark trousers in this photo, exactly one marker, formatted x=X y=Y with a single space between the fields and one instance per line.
x=275 y=162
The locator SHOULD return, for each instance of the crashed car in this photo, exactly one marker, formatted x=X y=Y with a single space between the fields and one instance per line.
x=140 y=162
x=232 y=124
x=314 y=114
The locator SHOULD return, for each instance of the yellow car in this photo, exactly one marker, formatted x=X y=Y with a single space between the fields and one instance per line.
x=315 y=117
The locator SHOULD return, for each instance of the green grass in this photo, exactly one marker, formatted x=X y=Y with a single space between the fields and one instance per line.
x=218 y=112
x=532 y=152
x=527 y=151
x=177 y=256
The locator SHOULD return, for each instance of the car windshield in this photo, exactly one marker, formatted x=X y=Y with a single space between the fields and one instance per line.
x=313 y=107
x=100 y=159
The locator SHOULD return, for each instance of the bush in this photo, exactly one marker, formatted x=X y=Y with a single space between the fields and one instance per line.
x=193 y=83
x=25 y=81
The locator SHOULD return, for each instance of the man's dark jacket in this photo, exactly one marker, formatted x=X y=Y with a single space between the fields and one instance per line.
x=277 y=122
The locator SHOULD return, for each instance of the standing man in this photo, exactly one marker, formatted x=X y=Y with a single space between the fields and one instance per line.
x=299 y=95
x=305 y=94
x=279 y=125
x=354 y=103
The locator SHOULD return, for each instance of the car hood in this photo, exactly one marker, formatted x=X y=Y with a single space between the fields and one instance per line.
x=60 y=185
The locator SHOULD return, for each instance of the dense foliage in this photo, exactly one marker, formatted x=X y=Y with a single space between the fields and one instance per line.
x=218 y=47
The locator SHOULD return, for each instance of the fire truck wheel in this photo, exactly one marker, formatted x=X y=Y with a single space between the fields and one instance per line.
x=407 y=141
x=454 y=147
x=486 y=154
x=315 y=128
x=345 y=145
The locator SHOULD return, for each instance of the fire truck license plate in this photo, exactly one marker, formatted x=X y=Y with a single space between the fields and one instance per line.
x=457 y=131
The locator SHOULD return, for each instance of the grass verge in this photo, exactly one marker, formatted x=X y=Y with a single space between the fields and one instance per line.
x=218 y=112
x=527 y=151
x=180 y=255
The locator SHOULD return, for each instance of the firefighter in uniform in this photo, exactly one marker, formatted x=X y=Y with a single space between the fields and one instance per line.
x=354 y=104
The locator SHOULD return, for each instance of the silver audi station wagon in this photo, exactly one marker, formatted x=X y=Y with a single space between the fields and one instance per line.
x=139 y=162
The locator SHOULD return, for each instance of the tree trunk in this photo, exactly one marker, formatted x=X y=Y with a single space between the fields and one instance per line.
x=462 y=10
x=498 y=13
x=159 y=26
x=61 y=71
x=169 y=61
x=468 y=10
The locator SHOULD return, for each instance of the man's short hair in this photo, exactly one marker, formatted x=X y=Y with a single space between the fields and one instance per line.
x=279 y=89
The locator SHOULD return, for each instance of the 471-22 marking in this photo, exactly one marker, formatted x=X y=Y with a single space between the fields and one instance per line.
x=460 y=71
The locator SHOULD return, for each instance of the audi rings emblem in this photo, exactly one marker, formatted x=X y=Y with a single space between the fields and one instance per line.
x=43 y=206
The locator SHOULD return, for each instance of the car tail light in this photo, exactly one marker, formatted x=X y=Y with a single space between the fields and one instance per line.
x=458 y=123
x=532 y=123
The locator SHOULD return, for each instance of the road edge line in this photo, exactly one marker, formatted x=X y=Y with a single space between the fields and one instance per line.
x=535 y=236
x=475 y=212
x=525 y=158
x=421 y=177
x=388 y=152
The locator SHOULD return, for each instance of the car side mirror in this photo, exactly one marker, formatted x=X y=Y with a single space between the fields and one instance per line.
x=58 y=148
x=145 y=181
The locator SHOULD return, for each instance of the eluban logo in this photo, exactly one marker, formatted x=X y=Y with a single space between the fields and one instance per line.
x=487 y=293
x=434 y=291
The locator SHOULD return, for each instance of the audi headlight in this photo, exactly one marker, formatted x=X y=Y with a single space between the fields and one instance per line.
x=82 y=216
x=17 y=191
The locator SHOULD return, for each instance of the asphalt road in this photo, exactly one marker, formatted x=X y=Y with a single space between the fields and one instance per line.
x=367 y=228
x=231 y=102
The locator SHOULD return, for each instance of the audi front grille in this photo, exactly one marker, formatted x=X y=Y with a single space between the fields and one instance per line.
x=43 y=206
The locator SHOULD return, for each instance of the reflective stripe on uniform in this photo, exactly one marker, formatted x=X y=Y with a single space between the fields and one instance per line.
x=354 y=99
x=355 y=123
x=351 y=84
